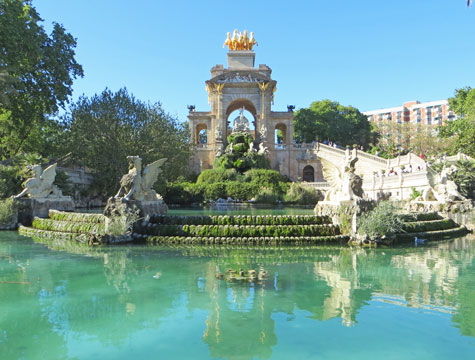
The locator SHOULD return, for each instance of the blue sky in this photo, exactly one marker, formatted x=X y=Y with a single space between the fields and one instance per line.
x=370 y=53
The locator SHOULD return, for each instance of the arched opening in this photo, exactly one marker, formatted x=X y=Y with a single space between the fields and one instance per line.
x=308 y=174
x=201 y=134
x=280 y=135
x=236 y=121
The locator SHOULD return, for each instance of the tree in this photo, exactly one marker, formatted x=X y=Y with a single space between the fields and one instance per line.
x=462 y=129
x=401 y=138
x=327 y=119
x=36 y=74
x=104 y=129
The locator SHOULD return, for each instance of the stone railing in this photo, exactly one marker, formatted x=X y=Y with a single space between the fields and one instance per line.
x=201 y=146
x=319 y=185
x=362 y=154
x=459 y=156
x=280 y=146
x=399 y=186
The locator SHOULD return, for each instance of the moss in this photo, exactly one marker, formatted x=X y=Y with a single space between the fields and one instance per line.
x=68 y=226
x=242 y=230
x=76 y=217
x=434 y=225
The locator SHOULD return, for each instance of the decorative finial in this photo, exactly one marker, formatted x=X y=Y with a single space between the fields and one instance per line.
x=240 y=41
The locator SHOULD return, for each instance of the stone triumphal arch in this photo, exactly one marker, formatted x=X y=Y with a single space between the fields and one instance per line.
x=243 y=86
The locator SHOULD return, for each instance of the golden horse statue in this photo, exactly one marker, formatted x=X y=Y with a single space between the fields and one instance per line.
x=240 y=41
x=229 y=42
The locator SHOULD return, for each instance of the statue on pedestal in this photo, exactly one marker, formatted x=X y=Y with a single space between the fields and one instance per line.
x=135 y=199
x=137 y=185
x=345 y=184
x=41 y=186
x=40 y=195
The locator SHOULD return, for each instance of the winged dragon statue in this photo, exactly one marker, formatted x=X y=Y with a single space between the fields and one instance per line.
x=41 y=185
x=441 y=188
x=137 y=184
x=345 y=184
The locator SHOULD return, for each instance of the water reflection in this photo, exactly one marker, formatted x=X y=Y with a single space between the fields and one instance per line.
x=111 y=297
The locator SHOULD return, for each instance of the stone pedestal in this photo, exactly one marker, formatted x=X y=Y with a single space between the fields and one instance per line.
x=32 y=207
x=343 y=213
x=439 y=206
x=121 y=214
x=241 y=59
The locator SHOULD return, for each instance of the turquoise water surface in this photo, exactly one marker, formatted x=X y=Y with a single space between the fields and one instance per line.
x=139 y=302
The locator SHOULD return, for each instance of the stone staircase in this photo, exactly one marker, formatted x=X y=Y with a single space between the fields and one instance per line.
x=428 y=226
x=86 y=228
x=240 y=229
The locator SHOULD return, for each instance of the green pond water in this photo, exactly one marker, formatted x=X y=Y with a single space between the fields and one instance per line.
x=62 y=301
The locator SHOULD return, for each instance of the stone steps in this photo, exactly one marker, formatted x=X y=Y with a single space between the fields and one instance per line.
x=428 y=226
x=85 y=228
x=432 y=235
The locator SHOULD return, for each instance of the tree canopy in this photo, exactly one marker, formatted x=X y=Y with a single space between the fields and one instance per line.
x=462 y=129
x=104 y=129
x=329 y=120
x=36 y=74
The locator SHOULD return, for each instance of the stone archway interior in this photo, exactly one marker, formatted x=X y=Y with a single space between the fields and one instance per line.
x=201 y=134
x=308 y=174
x=233 y=111
x=280 y=134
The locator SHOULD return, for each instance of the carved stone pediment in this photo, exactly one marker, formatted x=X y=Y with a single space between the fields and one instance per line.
x=240 y=77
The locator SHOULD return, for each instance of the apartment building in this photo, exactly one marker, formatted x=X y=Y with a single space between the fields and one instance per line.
x=415 y=112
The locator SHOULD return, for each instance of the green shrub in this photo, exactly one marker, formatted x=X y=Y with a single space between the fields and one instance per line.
x=301 y=194
x=415 y=194
x=240 y=137
x=184 y=193
x=268 y=196
x=382 y=220
x=216 y=175
x=215 y=191
x=8 y=209
x=241 y=191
